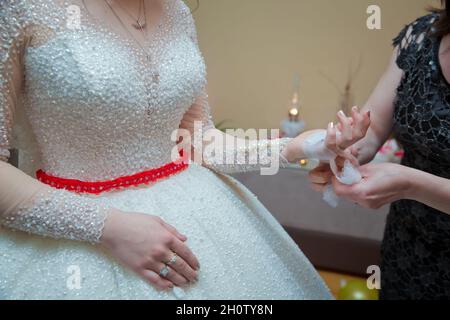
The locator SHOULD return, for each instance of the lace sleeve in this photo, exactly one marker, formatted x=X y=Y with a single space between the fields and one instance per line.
x=410 y=40
x=26 y=204
x=227 y=154
x=30 y=206
x=12 y=45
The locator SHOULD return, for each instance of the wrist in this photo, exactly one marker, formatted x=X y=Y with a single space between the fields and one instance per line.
x=111 y=222
x=410 y=182
x=365 y=153
x=289 y=152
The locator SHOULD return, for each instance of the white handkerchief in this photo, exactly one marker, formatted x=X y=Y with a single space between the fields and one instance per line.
x=348 y=176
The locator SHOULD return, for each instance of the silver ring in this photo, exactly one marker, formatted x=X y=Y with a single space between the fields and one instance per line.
x=173 y=260
x=164 y=271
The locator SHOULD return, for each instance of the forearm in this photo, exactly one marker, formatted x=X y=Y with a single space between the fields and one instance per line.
x=30 y=206
x=367 y=148
x=226 y=153
x=378 y=133
x=308 y=145
x=429 y=189
x=381 y=107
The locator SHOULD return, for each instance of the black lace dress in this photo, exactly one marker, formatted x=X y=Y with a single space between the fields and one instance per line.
x=416 y=246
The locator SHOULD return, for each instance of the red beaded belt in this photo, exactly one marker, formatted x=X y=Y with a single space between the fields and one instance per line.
x=141 y=178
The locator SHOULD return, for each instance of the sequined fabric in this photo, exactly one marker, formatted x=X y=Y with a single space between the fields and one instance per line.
x=229 y=154
x=81 y=79
x=416 y=246
x=60 y=215
x=107 y=123
x=100 y=108
x=229 y=230
x=249 y=155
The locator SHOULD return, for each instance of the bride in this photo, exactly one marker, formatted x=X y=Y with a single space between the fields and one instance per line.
x=91 y=93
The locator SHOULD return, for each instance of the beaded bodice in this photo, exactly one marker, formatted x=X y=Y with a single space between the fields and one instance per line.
x=99 y=106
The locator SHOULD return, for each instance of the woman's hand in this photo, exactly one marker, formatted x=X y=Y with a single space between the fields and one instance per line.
x=320 y=177
x=338 y=138
x=349 y=131
x=382 y=184
x=145 y=244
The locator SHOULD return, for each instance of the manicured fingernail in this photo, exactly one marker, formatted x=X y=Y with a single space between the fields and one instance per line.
x=331 y=125
x=342 y=113
x=355 y=109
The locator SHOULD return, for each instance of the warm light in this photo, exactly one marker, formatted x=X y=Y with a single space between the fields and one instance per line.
x=303 y=162
x=294 y=112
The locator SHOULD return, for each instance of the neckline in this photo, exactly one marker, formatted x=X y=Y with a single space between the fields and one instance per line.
x=142 y=52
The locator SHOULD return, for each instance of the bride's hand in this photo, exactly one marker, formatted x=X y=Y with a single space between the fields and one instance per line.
x=352 y=130
x=338 y=139
x=348 y=131
x=145 y=244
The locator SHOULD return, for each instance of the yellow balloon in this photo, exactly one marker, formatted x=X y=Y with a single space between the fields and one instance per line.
x=357 y=290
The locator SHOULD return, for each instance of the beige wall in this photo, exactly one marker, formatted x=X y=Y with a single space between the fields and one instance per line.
x=254 y=47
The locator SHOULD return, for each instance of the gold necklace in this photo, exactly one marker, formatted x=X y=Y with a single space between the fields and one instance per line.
x=154 y=75
x=127 y=30
x=139 y=24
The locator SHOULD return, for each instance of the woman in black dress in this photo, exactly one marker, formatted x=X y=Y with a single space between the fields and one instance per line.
x=412 y=100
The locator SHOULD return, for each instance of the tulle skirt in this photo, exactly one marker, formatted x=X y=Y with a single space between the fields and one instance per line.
x=244 y=253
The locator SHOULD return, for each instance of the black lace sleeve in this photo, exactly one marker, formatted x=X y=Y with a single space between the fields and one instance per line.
x=409 y=41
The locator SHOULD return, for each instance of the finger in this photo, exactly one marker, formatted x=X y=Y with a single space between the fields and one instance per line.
x=322 y=166
x=339 y=126
x=360 y=124
x=340 y=162
x=330 y=140
x=319 y=171
x=356 y=115
x=342 y=190
x=367 y=119
x=173 y=276
x=320 y=176
x=184 y=269
x=156 y=281
x=182 y=250
x=346 y=131
x=174 y=231
x=365 y=170
x=366 y=123
x=354 y=151
x=318 y=187
x=348 y=155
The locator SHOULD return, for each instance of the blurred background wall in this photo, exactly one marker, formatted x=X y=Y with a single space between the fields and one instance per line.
x=253 y=49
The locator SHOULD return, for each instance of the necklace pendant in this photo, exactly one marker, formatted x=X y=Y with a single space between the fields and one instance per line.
x=149 y=110
x=140 y=26
x=155 y=78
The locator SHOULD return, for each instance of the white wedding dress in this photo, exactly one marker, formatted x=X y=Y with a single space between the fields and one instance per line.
x=99 y=108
